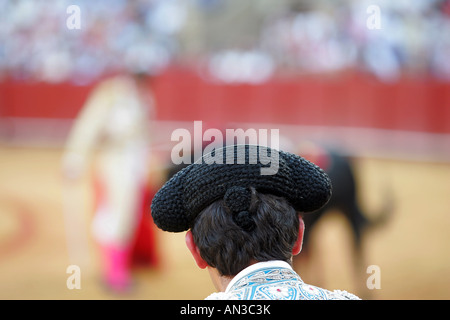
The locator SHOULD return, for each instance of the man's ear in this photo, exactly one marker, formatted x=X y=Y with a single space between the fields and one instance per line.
x=299 y=242
x=195 y=250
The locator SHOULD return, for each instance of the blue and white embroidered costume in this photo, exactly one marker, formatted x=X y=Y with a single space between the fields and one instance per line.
x=275 y=280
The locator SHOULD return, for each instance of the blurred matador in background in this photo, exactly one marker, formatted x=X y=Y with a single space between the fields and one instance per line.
x=115 y=122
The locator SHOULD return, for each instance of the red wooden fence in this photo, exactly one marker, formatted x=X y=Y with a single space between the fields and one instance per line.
x=352 y=100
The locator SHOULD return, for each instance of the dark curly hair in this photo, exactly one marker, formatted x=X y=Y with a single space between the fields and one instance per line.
x=229 y=247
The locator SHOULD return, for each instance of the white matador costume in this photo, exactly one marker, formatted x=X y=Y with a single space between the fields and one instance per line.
x=114 y=121
x=275 y=280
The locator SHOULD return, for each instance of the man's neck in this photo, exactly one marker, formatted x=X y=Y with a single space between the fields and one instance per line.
x=222 y=282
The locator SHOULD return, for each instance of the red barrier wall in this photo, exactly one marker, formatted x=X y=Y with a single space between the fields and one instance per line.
x=349 y=100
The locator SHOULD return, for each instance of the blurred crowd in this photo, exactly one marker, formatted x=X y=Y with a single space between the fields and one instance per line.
x=113 y=35
x=412 y=38
x=258 y=38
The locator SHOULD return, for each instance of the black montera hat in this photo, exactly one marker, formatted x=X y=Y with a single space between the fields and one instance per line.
x=226 y=173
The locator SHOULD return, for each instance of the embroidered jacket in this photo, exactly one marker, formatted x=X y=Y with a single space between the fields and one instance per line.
x=275 y=280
